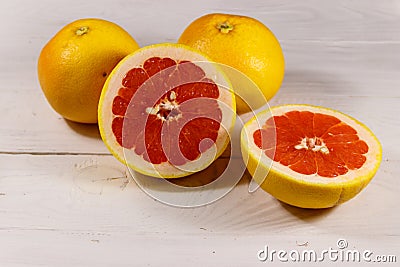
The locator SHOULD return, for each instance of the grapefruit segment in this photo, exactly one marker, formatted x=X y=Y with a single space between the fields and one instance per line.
x=308 y=156
x=166 y=111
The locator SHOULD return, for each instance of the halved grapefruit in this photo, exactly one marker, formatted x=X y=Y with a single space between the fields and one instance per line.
x=308 y=156
x=166 y=111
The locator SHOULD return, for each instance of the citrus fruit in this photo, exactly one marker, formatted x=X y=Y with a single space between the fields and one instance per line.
x=75 y=63
x=166 y=111
x=308 y=156
x=242 y=43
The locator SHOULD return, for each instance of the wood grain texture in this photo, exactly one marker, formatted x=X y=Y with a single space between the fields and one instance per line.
x=65 y=201
x=55 y=203
x=81 y=192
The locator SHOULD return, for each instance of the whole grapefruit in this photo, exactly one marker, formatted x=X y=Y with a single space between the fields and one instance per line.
x=74 y=64
x=242 y=43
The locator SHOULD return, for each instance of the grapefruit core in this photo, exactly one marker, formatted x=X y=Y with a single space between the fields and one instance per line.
x=166 y=111
x=310 y=157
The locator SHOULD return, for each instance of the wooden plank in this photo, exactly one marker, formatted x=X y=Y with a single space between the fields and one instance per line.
x=65 y=210
x=332 y=69
x=59 y=248
x=361 y=20
x=296 y=22
x=92 y=193
x=30 y=126
x=346 y=77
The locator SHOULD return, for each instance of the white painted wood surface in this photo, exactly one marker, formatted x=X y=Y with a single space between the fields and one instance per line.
x=53 y=212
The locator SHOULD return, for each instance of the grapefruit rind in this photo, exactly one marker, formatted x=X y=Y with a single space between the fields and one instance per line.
x=308 y=191
x=248 y=46
x=166 y=170
x=72 y=67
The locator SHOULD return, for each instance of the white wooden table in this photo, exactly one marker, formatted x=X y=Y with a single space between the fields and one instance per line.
x=340 y=54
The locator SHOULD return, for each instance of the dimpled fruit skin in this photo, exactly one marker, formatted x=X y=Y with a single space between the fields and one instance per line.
x=249 y=47
x=74 y=64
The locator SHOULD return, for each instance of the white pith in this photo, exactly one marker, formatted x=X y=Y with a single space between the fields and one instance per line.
x=311 y=143
x=166 y=104
x=373 y=155
x=226 y=102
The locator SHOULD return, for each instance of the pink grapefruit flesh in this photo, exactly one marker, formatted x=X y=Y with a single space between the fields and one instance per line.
x=169 y=109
